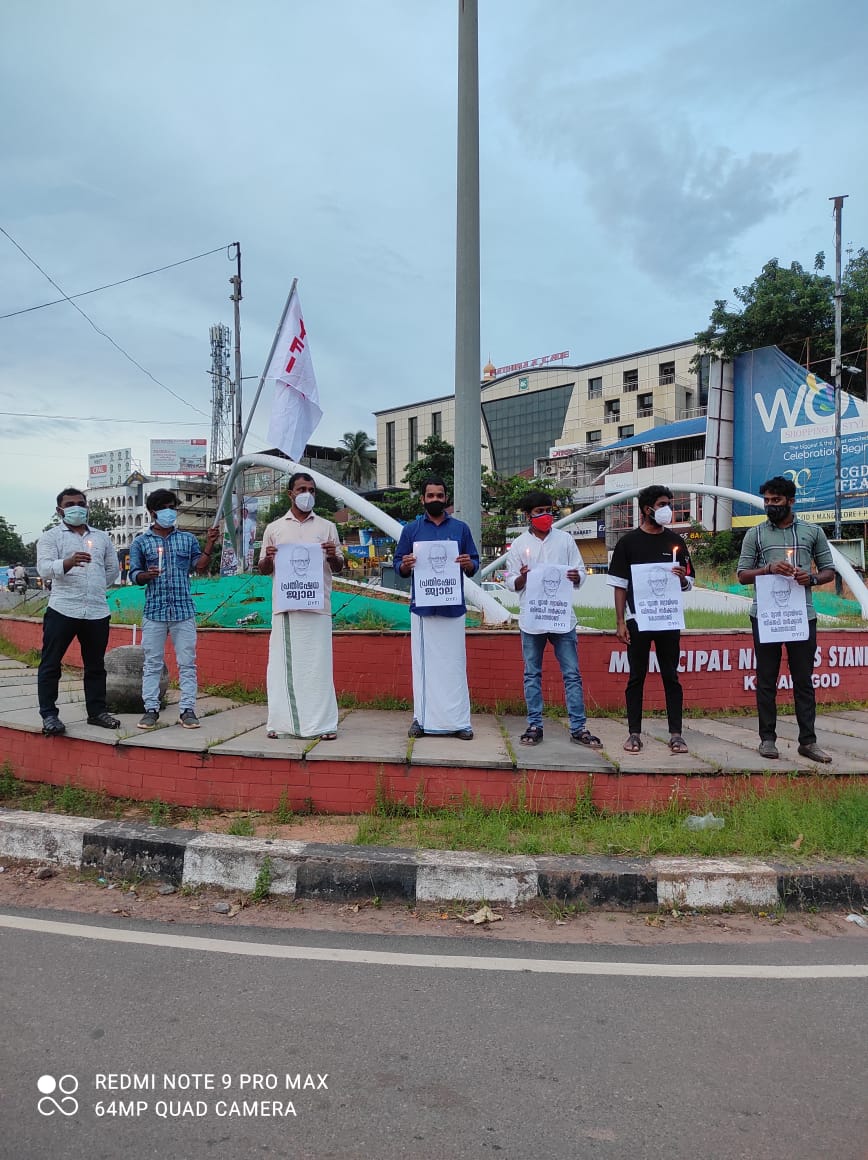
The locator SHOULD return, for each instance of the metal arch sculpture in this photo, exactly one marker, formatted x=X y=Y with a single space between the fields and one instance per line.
x=842 y=564
x=493 y=611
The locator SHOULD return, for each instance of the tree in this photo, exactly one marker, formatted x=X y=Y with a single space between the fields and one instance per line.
x=794 y=309
x=100 y=515
x=434 y=456
x=356 y=460
x=501 y=497
x=12 y=550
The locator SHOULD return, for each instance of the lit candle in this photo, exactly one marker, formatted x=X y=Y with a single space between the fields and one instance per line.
x=675 y=556
x=159 y=557
x=789 y=555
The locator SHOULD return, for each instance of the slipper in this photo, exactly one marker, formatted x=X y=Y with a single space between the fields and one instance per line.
x=328 y=736
x=533 y=735
x=677 y=744
x=633 y=744
x=586 y=737
x=272 y=736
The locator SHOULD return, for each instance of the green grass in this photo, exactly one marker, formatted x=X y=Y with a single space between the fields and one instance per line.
x=30 y=657
x=241 y=826
x=831 y=818
x=236 y=692
x=604 y=619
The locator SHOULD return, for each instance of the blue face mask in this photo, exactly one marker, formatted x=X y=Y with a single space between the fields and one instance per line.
x=75 y=516
x=167 y=518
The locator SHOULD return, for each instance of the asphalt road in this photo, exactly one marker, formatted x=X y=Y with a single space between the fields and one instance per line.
x=576 y=1051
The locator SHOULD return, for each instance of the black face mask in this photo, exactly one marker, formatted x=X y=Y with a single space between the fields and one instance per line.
x=435 y=508
x=776 y=512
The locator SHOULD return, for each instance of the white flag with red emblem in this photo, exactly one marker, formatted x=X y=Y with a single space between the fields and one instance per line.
x=295 y=411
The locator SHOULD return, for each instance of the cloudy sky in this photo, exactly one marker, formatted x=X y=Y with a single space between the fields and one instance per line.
x=638 y=161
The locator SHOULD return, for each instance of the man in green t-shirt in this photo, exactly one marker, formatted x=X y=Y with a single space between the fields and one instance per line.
x=784 y=545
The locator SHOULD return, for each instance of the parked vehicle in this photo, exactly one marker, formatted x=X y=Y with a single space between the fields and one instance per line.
x=34 y=580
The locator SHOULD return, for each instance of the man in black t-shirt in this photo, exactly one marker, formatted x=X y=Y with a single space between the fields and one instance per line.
x=651 y=543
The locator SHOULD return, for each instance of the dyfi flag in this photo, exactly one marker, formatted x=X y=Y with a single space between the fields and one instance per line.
x=295 y=411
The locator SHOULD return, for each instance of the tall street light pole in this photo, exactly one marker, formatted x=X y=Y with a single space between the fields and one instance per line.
x=237 y=426
x=468 y=396
x=838 y=206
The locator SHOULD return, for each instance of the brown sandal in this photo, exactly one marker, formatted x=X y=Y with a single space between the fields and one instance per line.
x=633 y=744
x=677 y=744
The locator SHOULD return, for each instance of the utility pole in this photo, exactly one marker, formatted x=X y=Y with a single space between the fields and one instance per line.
x=237 y=439
x=836 y=366
x=468 y=397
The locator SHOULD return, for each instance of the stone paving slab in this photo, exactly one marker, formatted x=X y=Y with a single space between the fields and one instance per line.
x=9 y=678
x=257 y=743
x=487 y=749
x=217 y=727
x=653 y=758
x=848 y=753
x=368 y=735
x=29 y=699
x=27 y=719
x=556 y=750
x=739 y=747
x=9 y=663
x=848 y=726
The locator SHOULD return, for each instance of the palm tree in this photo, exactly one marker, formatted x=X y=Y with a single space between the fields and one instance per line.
x=356 y=448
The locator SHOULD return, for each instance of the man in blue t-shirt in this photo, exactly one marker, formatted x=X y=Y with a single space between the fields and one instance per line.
x=441 y=699
x=163 y=558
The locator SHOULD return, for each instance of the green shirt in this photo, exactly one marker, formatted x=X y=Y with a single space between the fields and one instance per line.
x=765 y=543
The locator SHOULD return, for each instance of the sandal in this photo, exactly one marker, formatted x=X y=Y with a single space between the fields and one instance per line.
x=328 y=736
x=677 y=744
x=586 y=737
x=633 y=744
x=271 y=735
x=533 y=735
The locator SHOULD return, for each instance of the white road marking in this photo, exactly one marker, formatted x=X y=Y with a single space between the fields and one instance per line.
x=448 y=962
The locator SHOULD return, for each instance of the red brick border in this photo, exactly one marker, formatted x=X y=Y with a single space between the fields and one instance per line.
x=717 y=666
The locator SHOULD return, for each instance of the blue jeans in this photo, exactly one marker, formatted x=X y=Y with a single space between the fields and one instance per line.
x=566 y=653
x=183 y=634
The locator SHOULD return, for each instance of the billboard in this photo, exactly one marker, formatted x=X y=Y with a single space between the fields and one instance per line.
x=179 y=457
x=784 y=419
x=109 y=468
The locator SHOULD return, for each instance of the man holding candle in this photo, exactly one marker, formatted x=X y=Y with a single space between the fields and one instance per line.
x=300 y=677
x=163 y=558
x=783 y=545
x=543 y=544
x=438 y=648
x=80 y=562
x=651 y=543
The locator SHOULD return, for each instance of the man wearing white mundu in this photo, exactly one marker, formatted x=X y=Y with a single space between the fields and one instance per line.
x=301 y=550
x=438 y=550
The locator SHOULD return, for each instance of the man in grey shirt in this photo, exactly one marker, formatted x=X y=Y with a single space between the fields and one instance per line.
x=81 y=563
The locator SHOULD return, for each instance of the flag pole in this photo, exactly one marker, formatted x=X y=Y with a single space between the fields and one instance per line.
x=224 y=496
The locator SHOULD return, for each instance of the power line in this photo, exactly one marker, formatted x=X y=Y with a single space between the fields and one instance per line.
x=109 y=285
x=108 y=337
x=99 y=419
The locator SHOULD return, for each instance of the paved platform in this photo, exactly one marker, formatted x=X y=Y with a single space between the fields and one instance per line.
x=231 y=761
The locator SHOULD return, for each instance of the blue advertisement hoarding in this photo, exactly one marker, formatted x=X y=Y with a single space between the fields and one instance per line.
x=784 y=422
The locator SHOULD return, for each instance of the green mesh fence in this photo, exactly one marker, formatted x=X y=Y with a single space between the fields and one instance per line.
x=245 y=602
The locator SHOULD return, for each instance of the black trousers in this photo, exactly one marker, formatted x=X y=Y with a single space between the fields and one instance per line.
x=668 y=648
x=800 y=654
x=58 y=633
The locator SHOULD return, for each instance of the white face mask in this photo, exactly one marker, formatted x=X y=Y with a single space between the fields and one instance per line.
x=305 y=501
x=663 y=516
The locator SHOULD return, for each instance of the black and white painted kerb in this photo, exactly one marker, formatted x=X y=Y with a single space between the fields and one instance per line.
x=313 y=870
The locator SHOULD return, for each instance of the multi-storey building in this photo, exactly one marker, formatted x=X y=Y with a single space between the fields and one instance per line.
x=528 y=413
x=196 y=512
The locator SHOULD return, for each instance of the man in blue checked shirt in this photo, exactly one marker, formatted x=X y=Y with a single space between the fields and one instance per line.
x=163 y=558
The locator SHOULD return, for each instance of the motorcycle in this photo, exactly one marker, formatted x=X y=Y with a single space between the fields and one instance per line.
x=19 y=587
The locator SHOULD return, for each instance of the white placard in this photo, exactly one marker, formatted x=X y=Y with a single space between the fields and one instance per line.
x=436 y=576
x=299 y=578
x=657 y=598
x=781 y=609
x=548 y=600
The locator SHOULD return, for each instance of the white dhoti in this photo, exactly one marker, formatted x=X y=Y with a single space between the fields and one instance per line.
x=441 y=699
x=300 y=678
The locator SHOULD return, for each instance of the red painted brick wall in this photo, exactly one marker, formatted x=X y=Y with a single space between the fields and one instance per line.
x=717 y=665
x=217 y=781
